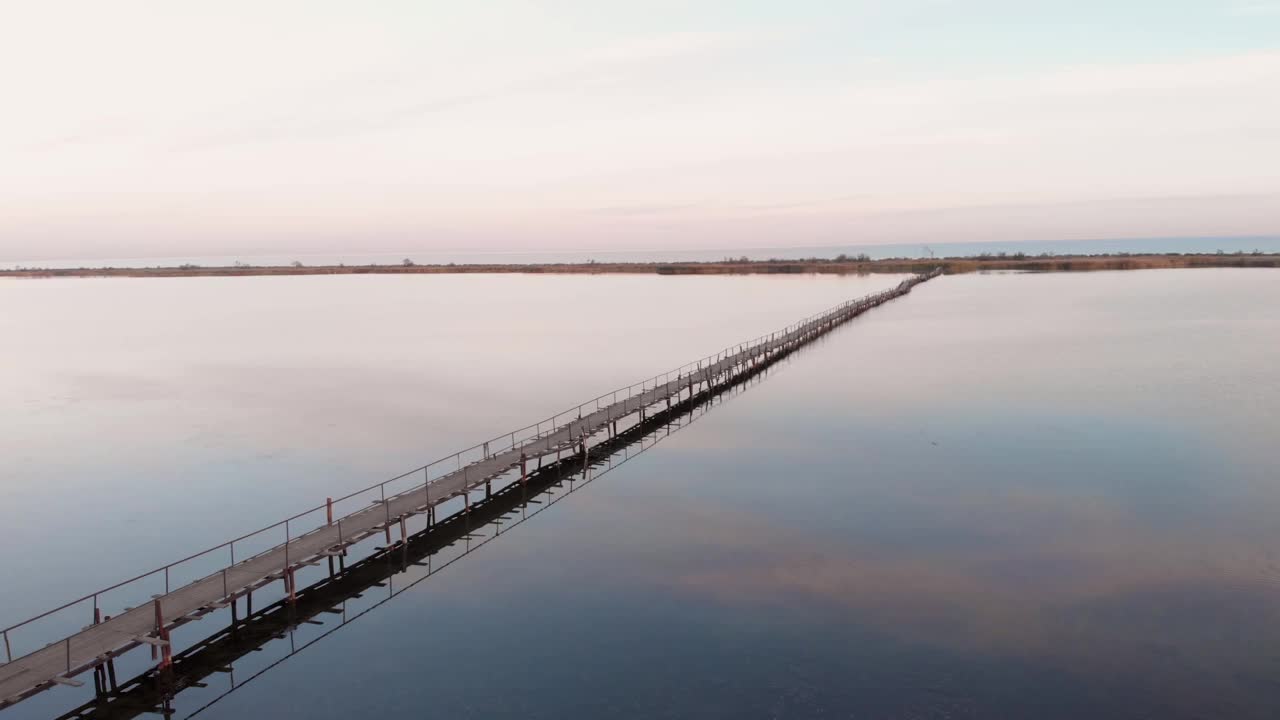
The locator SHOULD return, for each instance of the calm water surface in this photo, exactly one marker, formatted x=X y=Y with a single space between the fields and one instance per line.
x=1047 y=496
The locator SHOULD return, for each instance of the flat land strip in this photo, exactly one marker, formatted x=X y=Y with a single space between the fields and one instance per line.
x=836 y=266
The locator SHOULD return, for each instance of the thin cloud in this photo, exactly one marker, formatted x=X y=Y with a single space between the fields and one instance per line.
x=640 y=210
x=1255 y=9
x=604 y=61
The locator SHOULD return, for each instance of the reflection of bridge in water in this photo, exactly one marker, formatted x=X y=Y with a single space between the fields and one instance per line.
x=545 y=454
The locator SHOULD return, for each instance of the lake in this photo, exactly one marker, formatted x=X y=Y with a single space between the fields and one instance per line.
x=1004 y=495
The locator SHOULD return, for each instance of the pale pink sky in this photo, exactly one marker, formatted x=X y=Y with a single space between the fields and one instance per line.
x=171 y=129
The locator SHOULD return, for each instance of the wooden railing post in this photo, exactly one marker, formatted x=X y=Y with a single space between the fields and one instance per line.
x=166 y=650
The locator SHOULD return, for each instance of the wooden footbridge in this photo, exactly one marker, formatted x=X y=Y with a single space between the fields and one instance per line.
x=224 y=659
x=380 y=509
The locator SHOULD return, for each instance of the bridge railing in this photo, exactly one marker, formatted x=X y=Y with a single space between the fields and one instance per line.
x=89 y=608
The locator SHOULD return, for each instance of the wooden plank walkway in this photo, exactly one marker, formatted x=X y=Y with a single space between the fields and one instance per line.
x=149 y=624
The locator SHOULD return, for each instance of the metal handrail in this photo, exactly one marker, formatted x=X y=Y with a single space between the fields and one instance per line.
x=693 y=369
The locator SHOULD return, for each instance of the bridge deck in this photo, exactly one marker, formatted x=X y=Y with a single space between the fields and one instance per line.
x=61 y=660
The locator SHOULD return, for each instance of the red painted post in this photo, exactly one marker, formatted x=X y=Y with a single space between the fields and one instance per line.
x=328 y=507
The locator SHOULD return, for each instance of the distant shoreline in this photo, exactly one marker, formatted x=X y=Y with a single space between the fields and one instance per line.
x=840 y=265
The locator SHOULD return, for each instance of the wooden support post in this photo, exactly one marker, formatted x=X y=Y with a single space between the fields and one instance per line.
x=328 y=507
x=111 y=673
x=166 y=652
x=404 y=533
x=524 y=473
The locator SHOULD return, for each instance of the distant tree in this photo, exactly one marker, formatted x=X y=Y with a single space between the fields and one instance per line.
x=407 y=262
x=297 y=263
